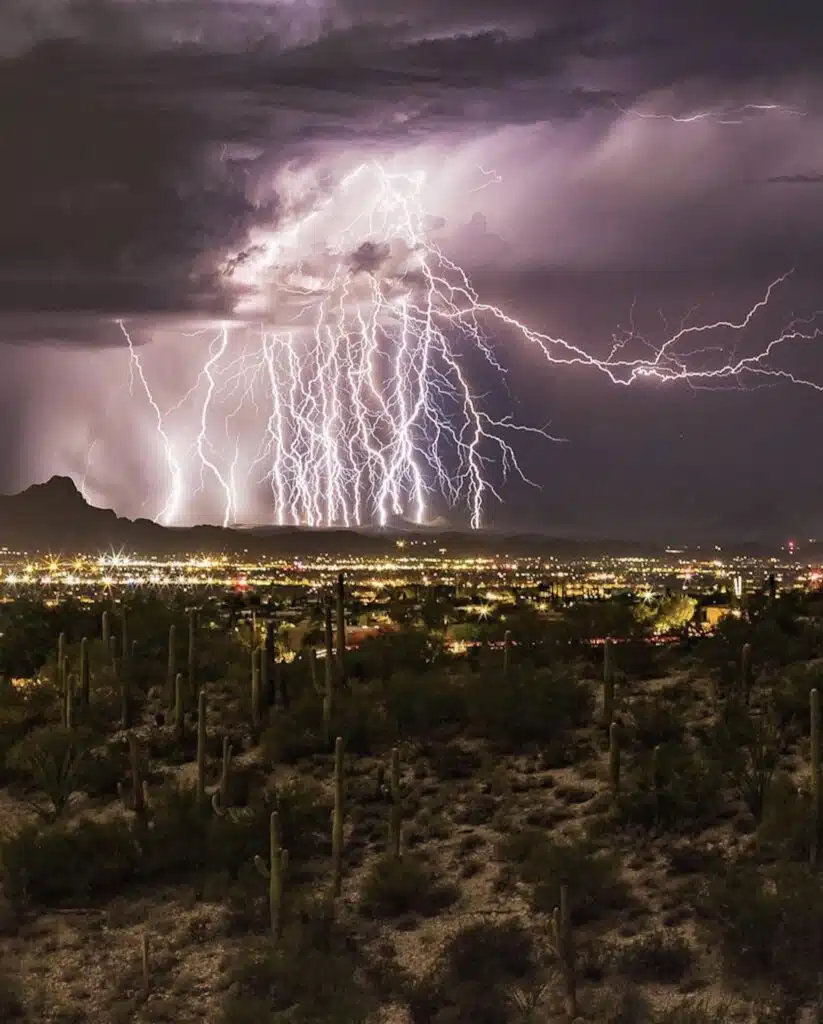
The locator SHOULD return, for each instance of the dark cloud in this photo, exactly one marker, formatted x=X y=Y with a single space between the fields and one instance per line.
x=797 y=179
x=369 y=257
x=113 y=193
x=141 y=140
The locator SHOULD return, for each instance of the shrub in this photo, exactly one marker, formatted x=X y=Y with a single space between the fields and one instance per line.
x=395 y=887
x=657 y=721
x=294 y=734
x=63 y=864
x=416 y=706
x=51 y=759
x=657 y=957
x=696 y=1010
x=670 y=790
x=592 y=876
x=490 y=951
x=12 y=1006
x=301 y=979
x=530 y=707
x=472 y=980
x=787 y=828
x=769 y=926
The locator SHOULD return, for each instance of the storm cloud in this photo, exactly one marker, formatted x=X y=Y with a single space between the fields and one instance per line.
x=139 y=137
x=579 y=155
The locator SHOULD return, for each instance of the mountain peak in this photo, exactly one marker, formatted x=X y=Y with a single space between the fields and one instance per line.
x=58 y=488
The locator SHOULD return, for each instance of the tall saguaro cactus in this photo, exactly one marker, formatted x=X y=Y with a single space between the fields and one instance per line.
x=274 y=872
x=271 y=665
x=201 y=748
x=84 y=672
x=328 y=696
x=746 y=671
x=192 y=652
x=171 y=665
x=817 y=805
x=105 y=629
x=337 y=820
x=256 y=690
x=564 y=948
x=341 y=627
x=396 y=815
x=608 y=684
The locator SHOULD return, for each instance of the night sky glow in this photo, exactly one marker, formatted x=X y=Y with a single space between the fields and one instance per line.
x=364 y=262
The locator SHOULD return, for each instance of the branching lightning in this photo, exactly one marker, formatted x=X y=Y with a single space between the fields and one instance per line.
x=365 y=410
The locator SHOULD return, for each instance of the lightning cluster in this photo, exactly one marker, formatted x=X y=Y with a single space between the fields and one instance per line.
x=364 y=408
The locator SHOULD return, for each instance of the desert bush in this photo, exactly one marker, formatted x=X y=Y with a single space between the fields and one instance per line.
x=531 y=708
x=301 y=979
x=417 y=706
x=406 y=650
x=453 y=761
x=672 y=789
x=790 y=696
x=768 y=925
x=23 y=709
x=656 y=720
x=68 y=864
x=592 y=875
x=394 y=887
x=657 y=957
x=186 y=837
x=361 y=721
x=294 y=734
x=787 y=827
x=12 y=1006
x=697 y=1010
x=51 y=760
x=473 y=978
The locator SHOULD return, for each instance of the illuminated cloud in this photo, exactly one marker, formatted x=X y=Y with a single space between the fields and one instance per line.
x=577 y=156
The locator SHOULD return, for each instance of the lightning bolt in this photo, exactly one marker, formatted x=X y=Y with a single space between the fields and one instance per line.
x=720 y=115
x=366 y=409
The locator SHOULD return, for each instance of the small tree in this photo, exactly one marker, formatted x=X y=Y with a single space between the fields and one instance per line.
x=51 y=759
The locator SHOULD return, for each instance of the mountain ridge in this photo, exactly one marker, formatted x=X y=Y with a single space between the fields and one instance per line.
x=54 y=516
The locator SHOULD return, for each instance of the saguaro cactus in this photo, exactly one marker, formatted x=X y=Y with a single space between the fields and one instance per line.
x=192 y=652
x=608 y=684
x=221 y=799
x=396 y=814
x=817 y=806
x=614 y=758
x=179 y=707
x=125 y=644
x=105 y=629
x=746 y=671
x=328 y=696
x=341 y=627
x=564 y=948
x=68 y=700
x=171 y=665
x=507 y=647
x=256 y=709
x=201 y=748
x=337 y=820
x=274 y=872
x=271 y=666
x=85 y=688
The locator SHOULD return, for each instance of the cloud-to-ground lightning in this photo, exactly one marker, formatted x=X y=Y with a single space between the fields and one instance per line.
x=363 y=406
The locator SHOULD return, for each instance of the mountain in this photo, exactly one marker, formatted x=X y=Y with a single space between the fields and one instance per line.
x=54 y=517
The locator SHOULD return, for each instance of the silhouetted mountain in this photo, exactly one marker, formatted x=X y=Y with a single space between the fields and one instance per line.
x=54 y=517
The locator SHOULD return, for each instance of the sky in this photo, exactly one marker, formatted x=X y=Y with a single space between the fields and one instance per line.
x=173 y=170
